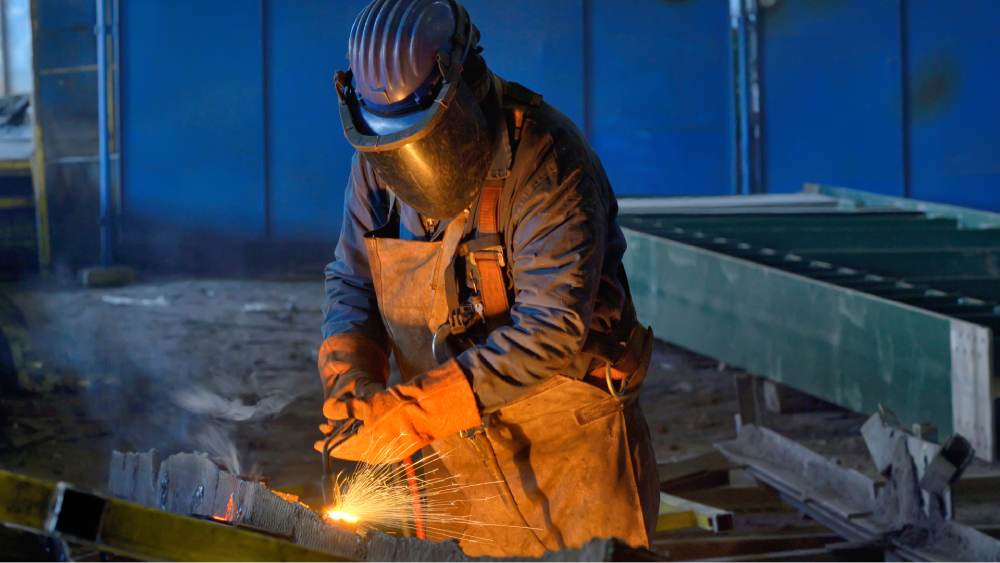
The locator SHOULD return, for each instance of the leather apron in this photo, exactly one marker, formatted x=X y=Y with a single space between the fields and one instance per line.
x=562 y=464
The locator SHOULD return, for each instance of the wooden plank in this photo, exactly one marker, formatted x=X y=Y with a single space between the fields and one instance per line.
x=702 y=471
x=740 y=499
x=729 y=545
x=976 y=489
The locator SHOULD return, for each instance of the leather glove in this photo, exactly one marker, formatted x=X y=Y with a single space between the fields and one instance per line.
x=406 y=417
x=352 y=365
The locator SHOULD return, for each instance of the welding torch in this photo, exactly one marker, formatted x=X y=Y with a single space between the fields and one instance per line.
x=330 y=483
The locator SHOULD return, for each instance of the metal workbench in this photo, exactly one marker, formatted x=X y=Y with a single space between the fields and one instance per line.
x=857 y=299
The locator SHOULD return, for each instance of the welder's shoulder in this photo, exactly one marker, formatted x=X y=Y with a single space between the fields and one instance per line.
x=364 y=194
x=552 y=149
x=362 y=175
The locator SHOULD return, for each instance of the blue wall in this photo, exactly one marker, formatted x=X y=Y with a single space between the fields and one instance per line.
x=891 y=96
x=230 y=127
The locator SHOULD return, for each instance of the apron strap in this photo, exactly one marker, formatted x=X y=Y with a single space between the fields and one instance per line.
x=487 y=260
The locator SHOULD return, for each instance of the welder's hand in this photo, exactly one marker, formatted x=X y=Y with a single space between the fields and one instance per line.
x=406 y=417
x=352 y=366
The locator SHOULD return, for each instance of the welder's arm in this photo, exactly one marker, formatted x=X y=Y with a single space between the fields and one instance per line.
x=352 y=359
x=557 y=250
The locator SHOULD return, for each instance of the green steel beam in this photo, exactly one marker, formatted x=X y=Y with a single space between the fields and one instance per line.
x=967 y=218
x=906 y=263
x=984 y=287
x=817 y=267
x=939 y=240
x=847 y=347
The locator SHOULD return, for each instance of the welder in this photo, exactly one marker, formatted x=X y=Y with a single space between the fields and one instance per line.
x=480 y=250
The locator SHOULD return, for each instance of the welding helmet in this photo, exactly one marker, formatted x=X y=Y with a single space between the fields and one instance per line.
x=406 y=108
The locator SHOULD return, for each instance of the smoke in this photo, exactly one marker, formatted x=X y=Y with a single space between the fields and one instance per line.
x=179 y=366
x=214 y=434
x=202 y=401
x=219 y=444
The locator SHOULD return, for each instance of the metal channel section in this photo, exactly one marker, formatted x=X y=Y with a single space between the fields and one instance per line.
x=859 y=302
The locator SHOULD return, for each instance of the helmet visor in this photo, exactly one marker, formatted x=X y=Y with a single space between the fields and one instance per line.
x=438 y=162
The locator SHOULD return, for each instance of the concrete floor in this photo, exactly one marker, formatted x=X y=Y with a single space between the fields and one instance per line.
x=246 y=350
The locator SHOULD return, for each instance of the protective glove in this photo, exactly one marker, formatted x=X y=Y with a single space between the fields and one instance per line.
x=406 y=417
x=352 y=365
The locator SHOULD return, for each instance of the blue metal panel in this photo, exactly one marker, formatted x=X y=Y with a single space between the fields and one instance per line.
x=192 y=115
x=537 y=44
x=832 y=94
x=309 y=159
x=953 y=89
x=660 y=95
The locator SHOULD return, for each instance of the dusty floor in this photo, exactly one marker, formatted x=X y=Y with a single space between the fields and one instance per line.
x=245 y=350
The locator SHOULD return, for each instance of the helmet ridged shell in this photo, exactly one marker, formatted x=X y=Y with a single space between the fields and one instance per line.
x=393 y=46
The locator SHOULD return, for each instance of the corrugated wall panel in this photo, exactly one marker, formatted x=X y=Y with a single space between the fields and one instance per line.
x=831 y=87
x=192 y=119
x=953 y=89
x=660 y=102
x=230 y=122
x=309 y=159
x=537 y=44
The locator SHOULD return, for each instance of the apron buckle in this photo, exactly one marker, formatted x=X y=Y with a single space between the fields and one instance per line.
x=496 y=251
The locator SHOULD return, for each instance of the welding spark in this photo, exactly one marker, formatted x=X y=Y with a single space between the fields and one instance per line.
x=341 y=516
x=377 y=495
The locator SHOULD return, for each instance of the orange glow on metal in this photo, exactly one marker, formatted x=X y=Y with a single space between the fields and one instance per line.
x=341 y=516
x=230 y=511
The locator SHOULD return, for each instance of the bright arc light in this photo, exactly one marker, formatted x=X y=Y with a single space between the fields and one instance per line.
x=341 y=516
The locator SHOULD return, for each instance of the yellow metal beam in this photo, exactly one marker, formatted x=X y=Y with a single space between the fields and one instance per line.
x=132 y=530
x=15 y=165
x=38 y=161
x=16 y=202
x=677 y=513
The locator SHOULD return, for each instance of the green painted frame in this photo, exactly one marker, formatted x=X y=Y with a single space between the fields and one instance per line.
x=846 y=346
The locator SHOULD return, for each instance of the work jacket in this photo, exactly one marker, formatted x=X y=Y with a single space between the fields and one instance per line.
x=563 y=256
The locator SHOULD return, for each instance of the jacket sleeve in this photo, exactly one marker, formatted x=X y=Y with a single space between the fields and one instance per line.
x=351 y=306
x=556 y=250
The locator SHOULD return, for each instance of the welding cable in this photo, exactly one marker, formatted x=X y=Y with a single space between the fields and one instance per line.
x=418 y=508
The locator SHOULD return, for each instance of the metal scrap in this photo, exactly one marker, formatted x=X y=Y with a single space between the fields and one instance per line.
x=911 y=522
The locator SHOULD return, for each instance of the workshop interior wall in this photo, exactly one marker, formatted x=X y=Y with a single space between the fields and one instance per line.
x=896 y=97
x=65 y=106
x=230 y=133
